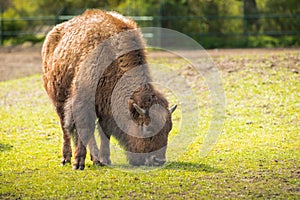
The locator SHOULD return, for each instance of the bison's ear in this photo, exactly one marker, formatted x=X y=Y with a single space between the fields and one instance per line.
x=173 y=108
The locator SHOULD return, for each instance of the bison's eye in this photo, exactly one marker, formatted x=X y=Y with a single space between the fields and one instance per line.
x=147 y=100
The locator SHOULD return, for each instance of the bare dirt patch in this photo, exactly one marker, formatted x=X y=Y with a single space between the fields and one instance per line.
x=16 y=62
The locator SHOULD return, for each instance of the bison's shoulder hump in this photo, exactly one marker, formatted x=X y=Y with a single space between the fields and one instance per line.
x=125 y=20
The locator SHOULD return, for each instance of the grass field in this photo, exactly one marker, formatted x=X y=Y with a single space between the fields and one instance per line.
x=257 y=155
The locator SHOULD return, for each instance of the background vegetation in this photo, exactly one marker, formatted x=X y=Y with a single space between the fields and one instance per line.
x=213 y=23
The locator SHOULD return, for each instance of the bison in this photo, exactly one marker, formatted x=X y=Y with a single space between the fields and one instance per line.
x=96 y=74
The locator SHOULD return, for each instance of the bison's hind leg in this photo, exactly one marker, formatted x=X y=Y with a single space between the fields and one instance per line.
x=71 y=132
x=69 y=127
x=66 y=149
x=67 y=134
x=82 y=137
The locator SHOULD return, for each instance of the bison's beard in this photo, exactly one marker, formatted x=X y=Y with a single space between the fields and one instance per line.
x=154 y=158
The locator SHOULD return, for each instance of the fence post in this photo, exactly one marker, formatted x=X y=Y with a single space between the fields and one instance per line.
x=245 y=18
x=2 y=25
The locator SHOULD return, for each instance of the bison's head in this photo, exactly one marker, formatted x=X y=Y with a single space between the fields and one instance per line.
x=149 y=128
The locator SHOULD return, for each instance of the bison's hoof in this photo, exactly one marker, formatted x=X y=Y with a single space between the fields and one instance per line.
x=77 y=166
x=79 y=163
x=105 y=161
x=65 y=161
x=98 y=163
x=81 y=167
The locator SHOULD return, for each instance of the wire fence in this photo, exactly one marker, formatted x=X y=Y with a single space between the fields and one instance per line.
x=201 y=28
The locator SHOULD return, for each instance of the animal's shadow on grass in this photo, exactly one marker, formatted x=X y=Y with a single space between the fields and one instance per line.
x=5 y=147
x=190 y=166
x=173 y=165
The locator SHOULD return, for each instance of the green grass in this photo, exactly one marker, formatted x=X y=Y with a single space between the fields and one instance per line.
x=257 y=156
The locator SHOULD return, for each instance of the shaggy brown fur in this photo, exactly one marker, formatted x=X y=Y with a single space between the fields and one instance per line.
x=84 y=61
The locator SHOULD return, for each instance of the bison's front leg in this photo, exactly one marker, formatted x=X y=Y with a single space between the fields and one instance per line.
x=104 y=154
x=80 y=154
x=94 y=151
x=66 y=149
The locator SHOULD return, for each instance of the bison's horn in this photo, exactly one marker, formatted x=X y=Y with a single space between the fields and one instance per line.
x=140 y=110
x=173 y=108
